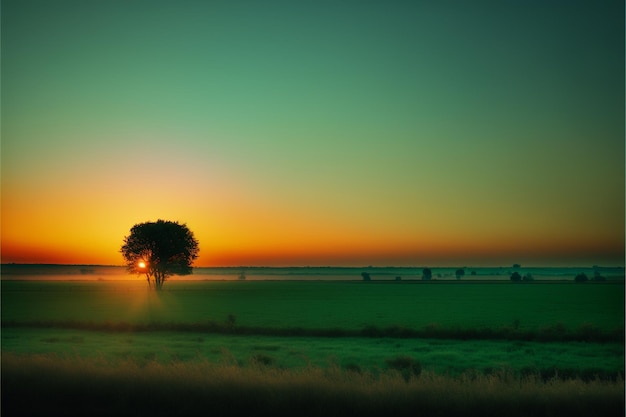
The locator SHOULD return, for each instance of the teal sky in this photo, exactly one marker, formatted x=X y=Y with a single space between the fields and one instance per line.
x=301 y=132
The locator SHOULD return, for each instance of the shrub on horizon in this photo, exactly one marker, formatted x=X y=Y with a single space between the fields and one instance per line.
x=516 y=277
x=427 y=274
x=582 y=277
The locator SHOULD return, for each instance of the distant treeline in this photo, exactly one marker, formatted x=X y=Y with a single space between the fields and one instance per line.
x=388 y=272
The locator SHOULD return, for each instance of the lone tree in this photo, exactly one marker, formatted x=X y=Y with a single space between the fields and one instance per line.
x=158 y=250
x=459 y=273
x=427 y=274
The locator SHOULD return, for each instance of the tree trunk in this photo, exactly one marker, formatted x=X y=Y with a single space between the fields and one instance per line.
x=159 y=280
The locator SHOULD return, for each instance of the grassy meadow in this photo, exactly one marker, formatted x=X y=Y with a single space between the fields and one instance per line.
x=326 y=347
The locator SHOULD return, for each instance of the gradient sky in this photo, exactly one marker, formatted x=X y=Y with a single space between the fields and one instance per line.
x=316 y=132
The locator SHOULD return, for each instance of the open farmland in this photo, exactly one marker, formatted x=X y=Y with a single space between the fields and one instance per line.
x=448 y=327
x=420 y=330
x=350 y=306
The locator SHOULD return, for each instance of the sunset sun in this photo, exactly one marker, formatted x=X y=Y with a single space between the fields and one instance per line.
x=141 y=264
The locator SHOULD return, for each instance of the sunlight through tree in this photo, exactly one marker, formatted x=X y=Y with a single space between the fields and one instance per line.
x=158 y=250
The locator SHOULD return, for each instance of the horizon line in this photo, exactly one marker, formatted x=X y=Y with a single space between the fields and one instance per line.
x=325 y=266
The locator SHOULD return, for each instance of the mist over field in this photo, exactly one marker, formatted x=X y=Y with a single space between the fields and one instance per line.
x=503 y=273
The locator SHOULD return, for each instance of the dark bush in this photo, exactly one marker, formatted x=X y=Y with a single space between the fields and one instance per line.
x=366 y=276
x=516 y=277
x=427 y=274
x=528 y=277
x=582 y=277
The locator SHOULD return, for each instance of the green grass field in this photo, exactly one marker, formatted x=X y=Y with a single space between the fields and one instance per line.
x=549 y=333
x=345 y=305
x=451 y=357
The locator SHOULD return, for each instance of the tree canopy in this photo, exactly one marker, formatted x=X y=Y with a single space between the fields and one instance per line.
x=427 y=274
x=159 y=250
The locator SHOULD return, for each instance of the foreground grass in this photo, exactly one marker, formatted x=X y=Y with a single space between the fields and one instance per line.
x=50 y=385
x=572 y=359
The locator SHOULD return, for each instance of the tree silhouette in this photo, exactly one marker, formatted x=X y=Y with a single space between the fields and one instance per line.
x=459 y=273
x=427 y=274
x=158 y=250
x=582 y=277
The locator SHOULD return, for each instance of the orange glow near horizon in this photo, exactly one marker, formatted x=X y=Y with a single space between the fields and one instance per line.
x=249 y=229
x=368 y=147
x=409 y=258
x=266 y=233
x=345 y=252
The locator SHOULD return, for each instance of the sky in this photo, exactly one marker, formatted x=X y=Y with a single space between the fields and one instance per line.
x=304 y=133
